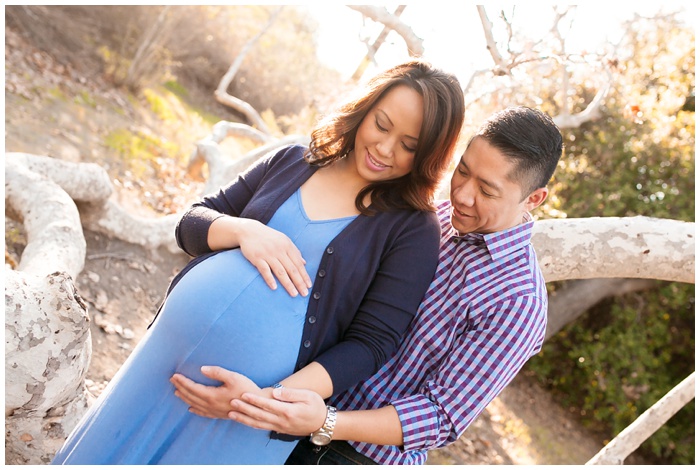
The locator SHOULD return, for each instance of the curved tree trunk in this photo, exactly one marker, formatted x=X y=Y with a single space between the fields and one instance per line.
x=55 y=185
x=222 y=169
x=55 y=238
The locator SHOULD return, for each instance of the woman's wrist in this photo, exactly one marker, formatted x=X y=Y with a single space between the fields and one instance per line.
x=227 y=232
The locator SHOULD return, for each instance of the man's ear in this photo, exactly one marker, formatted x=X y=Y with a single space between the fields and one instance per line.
x=536 y=198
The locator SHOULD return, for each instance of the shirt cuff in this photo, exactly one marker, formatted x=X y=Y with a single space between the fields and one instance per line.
x=420 y=422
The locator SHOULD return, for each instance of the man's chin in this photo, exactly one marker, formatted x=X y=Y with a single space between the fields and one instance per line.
x=462 y=228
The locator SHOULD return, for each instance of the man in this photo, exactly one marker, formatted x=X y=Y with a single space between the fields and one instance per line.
x=482 y=318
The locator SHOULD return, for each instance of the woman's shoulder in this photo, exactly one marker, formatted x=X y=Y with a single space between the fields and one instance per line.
x=411 y=214
x=290 y=152
x=408 y=220
x=287 y=157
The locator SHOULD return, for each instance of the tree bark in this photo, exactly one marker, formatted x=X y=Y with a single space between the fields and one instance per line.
x=110 y=219
x=616 y=247
x=223 y=170
x=47 y=354
x=46 y=188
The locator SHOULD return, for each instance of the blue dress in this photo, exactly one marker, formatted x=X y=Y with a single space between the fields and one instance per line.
x=234 y=321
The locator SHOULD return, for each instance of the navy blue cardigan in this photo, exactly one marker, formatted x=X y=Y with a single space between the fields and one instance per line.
x=369 y=283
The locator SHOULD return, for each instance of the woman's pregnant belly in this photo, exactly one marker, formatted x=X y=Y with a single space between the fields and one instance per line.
x=222 y=313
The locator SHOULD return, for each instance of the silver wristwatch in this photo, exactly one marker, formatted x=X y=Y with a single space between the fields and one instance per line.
x=323 y=436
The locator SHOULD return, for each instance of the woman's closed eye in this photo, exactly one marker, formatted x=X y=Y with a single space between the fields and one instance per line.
x=379 y=126
x=408 y=148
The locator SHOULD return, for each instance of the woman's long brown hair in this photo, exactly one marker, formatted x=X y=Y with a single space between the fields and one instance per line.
x=443 y=115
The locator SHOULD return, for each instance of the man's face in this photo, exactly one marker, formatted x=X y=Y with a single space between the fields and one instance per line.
x=484 y=200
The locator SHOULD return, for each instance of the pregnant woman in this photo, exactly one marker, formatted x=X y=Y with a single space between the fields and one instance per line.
x=354 y=211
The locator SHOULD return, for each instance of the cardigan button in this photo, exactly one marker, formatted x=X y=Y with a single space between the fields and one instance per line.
x=307 y=343
x=322 y=273
x=330 y=250
x=312 y=320
x=317 y=295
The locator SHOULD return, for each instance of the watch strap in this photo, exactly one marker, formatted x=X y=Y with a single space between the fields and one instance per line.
x=325 y=434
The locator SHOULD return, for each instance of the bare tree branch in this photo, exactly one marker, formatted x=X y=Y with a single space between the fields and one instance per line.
x=414 y=44
x=504 y=67
x=500 y=66
x=372 y=50
x=220 y=131
x=223 y=97
x=147 y=47
x=647 y=424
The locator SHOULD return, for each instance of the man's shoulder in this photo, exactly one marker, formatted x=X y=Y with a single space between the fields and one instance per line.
x=443 y=208
x=517 y=274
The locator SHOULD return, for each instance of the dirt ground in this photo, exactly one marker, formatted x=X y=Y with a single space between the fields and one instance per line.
x=124 y=283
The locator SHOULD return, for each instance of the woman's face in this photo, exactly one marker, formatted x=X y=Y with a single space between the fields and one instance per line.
x=386 y=140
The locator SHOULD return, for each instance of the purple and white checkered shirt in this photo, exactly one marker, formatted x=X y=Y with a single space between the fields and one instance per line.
x=482 y=318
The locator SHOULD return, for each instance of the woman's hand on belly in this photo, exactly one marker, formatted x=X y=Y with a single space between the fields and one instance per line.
x=212 y=401
x=275 y=256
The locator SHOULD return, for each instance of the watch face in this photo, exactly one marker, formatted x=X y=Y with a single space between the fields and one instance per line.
x=320 y=439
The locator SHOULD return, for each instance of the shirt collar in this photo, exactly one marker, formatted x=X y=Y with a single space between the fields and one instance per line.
x=501 y=243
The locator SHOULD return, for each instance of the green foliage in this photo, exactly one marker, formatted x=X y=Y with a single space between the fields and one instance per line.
x=160 y=106
x=57 y=94
x=177 y=89
x=184 y=96
x=653 y=350
x=616 y=167
x=140 y=149
x=84 y=98
x=639 y=157
x=115 y=65
x=14 y=235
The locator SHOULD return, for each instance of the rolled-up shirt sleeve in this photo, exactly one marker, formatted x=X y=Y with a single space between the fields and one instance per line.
x=485 y=358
